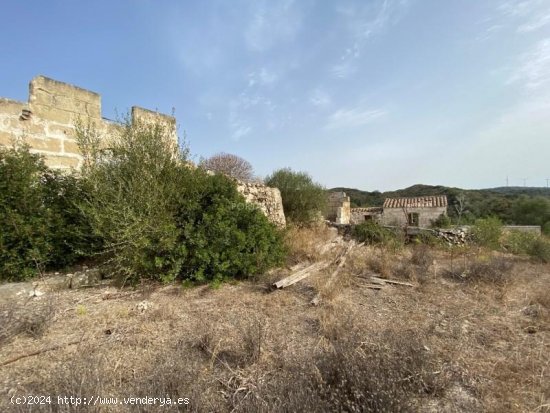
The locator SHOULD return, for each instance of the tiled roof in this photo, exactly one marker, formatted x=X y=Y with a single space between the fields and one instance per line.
x=417 y=202
x=367 y=209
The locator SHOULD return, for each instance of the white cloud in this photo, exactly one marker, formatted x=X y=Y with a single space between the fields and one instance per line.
x=240 y=131
x=320 y=98
x=263 y=77
x=533 y=72
x=271 y=23
x=350 y=118
x=249 y=110
x=363 y=22
x=535 y=24
x=526 y=15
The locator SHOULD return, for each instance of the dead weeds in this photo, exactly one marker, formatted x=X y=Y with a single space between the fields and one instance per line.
x=478 y=345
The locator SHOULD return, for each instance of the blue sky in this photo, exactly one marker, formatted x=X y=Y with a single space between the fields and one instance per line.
x=377 y=94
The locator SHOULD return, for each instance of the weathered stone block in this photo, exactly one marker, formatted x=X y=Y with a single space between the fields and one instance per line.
x=6 y=138
x=44 y=144
x=33 y=128
x=53 y=114
x=60 y=131
x=57 y=161
x=11 y=107
x=42 y=89
x=70 y=146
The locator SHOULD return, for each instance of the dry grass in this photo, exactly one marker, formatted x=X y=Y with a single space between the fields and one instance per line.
x=31 y=319
x=443 y=346
x=307 y=243
x=493 y=270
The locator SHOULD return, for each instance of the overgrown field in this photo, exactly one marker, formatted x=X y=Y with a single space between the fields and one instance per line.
x=471 y=335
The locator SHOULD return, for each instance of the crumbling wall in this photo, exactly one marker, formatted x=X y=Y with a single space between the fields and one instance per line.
x=360 y=215
x=267 y=199
x=47 y=121
x=47 y=124
x=338 y=208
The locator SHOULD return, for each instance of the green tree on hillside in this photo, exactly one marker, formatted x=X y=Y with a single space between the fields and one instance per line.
x=531 y=211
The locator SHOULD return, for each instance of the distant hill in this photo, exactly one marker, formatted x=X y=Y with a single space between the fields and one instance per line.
x=479 y=202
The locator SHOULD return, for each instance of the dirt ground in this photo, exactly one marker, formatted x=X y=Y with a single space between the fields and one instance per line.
x=456 y=341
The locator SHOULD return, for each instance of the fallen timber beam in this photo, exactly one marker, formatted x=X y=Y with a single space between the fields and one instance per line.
x=389 y=281
x=300 y=275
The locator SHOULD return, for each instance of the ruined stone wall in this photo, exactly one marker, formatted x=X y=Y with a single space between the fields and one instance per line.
x=338 y=208
x=47 y=121
x=398 y=216
x=47 y=124
x=267 y=199
x=360 y=215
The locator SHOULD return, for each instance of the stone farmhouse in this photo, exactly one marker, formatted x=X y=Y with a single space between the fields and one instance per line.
x=47 y=123
x=415 y=211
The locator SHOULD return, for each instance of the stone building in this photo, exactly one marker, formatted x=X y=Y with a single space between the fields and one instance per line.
x=359 y=215
x=416 y=212
x=46 y=122
x=338 y=208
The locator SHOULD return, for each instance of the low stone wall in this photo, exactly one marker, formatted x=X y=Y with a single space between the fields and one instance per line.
x=532 y=229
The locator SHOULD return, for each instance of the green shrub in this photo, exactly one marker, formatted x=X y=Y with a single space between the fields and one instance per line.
x=371 y=233
x=162 y=220
x=540 y=249
x=41 y=225
x=518 y=242
x=546 y=228
x=427 y=238
x=24 y=245
x=442 y=221
x=487 y=232
x=527 y=243
x=303 y=199
x=133 y=192
x=224 y=236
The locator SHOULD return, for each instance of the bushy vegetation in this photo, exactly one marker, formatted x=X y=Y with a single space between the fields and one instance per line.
x=487 y=232
x=533 y=211
x=443 y=221
x=371 y=233
x=527 y=243
x=136 y=207
x=41 y=225
x=303 y=199
x=160 y=219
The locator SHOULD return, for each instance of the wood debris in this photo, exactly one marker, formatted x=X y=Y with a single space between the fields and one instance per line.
x=301 y=274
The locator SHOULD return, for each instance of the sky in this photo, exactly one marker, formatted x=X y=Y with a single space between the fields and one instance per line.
x=369 y=94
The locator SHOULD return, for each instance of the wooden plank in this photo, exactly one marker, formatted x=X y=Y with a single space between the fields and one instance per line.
x=372 y=286
x=300 y=275
x=389 y=281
